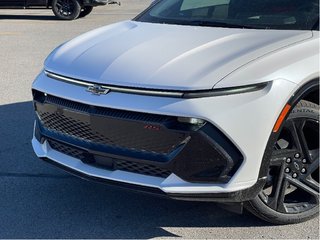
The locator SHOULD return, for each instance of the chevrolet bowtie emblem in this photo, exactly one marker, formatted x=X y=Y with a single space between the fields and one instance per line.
x=97 y=90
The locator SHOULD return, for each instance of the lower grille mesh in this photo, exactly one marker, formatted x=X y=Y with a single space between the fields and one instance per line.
x=141 y=168
x=66 y=149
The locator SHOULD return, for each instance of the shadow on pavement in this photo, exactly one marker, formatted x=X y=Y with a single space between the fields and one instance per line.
x=29 y=17
x=40 y=201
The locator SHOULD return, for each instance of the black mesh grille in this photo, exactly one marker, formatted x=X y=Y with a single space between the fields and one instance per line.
x=71 y=127
x=141 y=168
x=127 y=130
x=143 y=143
x=115 y=113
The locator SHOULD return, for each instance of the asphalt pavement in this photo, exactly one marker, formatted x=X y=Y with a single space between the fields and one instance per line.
x=40 y=201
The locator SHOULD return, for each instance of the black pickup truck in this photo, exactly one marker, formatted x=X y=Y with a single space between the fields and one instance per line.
x=63 y=9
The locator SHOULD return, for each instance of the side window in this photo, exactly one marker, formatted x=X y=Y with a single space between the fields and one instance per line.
x=220 y=12
x=193 y=4
x=165 y=9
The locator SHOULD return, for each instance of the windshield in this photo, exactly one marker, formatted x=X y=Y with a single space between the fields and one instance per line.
x=258 y=14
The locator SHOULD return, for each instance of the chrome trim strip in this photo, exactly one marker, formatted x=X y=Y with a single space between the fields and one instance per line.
x=66 y=79
x=116 y=89
x=226 y=91
x=163 y=93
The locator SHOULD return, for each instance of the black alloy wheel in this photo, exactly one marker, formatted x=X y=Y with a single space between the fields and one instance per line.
x=291 y=194
x=66 y=9
x=85 y=11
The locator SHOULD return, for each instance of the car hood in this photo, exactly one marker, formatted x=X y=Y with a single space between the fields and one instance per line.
x=161 y=56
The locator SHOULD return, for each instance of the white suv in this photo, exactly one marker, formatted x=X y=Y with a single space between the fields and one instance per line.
x=207 y=100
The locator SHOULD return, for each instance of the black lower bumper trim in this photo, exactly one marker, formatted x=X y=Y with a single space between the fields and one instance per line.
x=94 y=3
x=137 y=188
x=232 y=197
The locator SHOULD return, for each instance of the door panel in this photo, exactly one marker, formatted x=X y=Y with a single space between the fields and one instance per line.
x=12 y=3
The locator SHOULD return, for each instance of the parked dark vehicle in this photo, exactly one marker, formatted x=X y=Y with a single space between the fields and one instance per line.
x=63 y=9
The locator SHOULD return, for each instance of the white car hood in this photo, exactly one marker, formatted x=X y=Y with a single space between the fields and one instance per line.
x=161 y=56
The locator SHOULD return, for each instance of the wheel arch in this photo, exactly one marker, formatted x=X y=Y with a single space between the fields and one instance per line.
x=309 y=92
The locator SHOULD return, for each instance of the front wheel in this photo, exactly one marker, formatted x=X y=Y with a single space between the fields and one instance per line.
x=291 y=194
x=66 y=9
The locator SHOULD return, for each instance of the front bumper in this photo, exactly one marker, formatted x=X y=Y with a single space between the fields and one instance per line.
x=142 y=183
x=226 y=113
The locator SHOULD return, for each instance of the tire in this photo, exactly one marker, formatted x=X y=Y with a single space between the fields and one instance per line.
x=66 y=9
x=85 y=11
x=291 y=194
